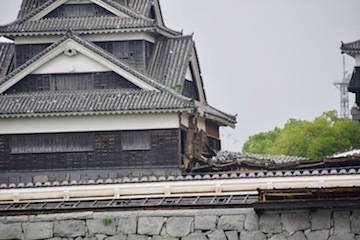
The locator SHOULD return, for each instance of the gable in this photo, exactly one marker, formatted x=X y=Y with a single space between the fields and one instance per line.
x=70 y=57
x=79 y=10
x=70 y=63
x=87 y=5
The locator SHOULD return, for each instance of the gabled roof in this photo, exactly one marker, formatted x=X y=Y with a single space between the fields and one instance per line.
x=90 y=102
x=80 y=24
x=88 y=45
x=171 y=60
x=44 y=102
x=351 y=48
x=6 y=54
x=28 y=6
x=135 y=20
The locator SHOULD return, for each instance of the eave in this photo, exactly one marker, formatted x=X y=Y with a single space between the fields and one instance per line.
x=90 y=113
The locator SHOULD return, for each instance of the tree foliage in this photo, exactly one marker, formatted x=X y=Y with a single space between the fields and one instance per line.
x=325 y=135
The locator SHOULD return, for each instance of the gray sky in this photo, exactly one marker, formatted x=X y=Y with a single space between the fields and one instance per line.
x=265 y=60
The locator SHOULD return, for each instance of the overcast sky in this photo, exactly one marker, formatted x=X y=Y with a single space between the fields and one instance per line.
x=265 y=60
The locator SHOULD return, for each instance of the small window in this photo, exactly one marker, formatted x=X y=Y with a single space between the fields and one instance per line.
x=136 y=140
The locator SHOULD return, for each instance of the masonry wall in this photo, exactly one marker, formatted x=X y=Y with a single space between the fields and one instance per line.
x=215 y=224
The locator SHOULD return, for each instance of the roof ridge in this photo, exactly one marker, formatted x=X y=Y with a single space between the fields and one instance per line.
x=71 y=92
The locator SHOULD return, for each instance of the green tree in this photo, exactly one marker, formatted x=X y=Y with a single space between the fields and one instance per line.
x=325 y=135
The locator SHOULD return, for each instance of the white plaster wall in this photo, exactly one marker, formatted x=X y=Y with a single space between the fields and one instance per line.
x=71 y=64
x=357 y=60
x=89 y=123
x=201 y=124
x=185 y=119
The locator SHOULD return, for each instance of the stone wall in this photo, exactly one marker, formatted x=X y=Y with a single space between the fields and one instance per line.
x=215 y=224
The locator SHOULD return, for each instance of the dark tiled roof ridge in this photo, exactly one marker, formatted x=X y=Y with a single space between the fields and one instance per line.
x=230 y=117
x=70 y=92
x=186 y=177
x=351 y=46
x=89 y=102
x=77 y=24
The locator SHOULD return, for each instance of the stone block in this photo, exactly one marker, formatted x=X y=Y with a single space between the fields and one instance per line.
x=341 y=222
x=251 y=221
x=270 y=223
x=343 y=236
x=293 y=222
x=255 y=235
x=10 y=231
x=105 y=226
x=38 y=230
x=150 y=225
x=207 y=222
x=137 y=237
x=127 y=225
x=195 y=236
x=163 y=238
x=217 y=235
x=179 y=226
x=355 y=222
x=232 y=235
x=320 y=219
x=100 y=236
x=16 y=219
x=298 y=236
x=318 y=235
x=120 y=236
x=69 y=228
x=231 y=222
x=278 y=237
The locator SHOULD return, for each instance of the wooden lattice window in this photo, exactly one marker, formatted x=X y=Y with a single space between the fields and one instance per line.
x=51 y=143
x=136 y=140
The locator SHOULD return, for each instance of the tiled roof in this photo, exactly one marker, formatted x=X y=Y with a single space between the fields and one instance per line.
x=27 y=7
x=30 y=8
x=217 y=113
x=226 y=161
x=350 y=48
x=79 y=177
x=141 y=7
x=171 y=60
x=151 y=81
x=89 y=101
x=23 y=26
x=6 y=54
x=85 y=24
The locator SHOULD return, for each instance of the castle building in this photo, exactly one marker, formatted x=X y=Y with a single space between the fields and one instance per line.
x=101 y=84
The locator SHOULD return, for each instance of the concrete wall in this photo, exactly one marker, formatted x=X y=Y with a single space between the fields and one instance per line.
x=215 y=224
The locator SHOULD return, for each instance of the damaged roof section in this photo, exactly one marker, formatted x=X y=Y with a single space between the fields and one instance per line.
x=248 y=162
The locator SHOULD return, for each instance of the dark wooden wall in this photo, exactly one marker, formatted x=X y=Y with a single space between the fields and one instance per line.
x=107 y=152
x=190 y=88
x=136 y=53
x=78 y=10
x=71 y=82
x=24 y=52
